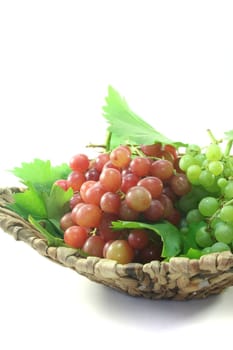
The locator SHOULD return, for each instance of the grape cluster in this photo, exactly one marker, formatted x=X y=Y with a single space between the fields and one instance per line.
x=210 y=201
x=122 y=185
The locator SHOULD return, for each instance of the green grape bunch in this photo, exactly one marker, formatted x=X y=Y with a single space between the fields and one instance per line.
x=210 y=202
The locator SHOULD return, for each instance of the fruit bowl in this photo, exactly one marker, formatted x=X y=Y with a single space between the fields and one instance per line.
x=179 y=278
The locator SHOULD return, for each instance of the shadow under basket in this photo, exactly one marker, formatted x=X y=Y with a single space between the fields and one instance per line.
x=178 y=279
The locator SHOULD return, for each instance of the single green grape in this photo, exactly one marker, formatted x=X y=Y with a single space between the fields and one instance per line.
x=200 y=159
x=226 y=213
x=194 y=216
x=206 y=178
x=216 y=167
x=203 y=237
x=213 y=152
x=222 y=182
x=193 y=173
x=219 y=247
x=208 y=206
x=224 y=232
x=227 y=172
x=186 y=161
x=228 y=190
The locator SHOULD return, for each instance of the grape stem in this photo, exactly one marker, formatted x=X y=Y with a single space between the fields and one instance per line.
x=228 y=148
x=137 y=151
x=105 y=146
x=91 y=145
x=212 y=137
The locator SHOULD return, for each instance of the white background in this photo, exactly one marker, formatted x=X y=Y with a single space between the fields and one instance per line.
x=173 y=61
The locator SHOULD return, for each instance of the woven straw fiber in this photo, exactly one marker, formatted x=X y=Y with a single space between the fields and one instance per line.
x=179 y=279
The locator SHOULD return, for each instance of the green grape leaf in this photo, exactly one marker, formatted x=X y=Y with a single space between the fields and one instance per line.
x=127 y=127
x=50 y=238
x=53 y=226
x=169 y=234
x=28 y=202
x=57 y=202
x=42 y=199
x=41 y=174
x=229 y=135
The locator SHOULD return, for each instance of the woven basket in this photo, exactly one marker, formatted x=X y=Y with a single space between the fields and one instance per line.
x=179 y=279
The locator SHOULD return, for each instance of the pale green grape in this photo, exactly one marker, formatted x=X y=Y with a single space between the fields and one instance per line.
x=224 y=232
x=206 y=178
x=193 y=173
x=186 y=161
x=216 y=167
x=222 y=182
x=203 y=237
x=213 y=152
x=228 y=190
x=226 y=213
x=219 y=247
x=200 y=159
x=208 y=206
x=194 y=216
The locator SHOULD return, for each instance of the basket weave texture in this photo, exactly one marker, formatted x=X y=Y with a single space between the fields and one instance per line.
x=179 y=279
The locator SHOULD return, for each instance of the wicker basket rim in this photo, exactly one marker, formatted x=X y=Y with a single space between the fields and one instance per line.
x=179 y=278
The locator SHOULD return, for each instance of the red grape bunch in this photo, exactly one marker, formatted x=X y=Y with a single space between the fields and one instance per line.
x=122 y=186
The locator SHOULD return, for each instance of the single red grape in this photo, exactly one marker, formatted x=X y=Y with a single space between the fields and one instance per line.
x=75 y=236
x=79 y=162
x=153 y=184
x=110 y=202
x=110 y=179
x=138 y=238
x=94 y=246
x=120 y=156
x=138 y=198
x=121 y=251
x=66 y=221
x=140 y=166
x=75 y=180
x=162 y=168
x=88 y=215
x=129 y=180
x=180 y=184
